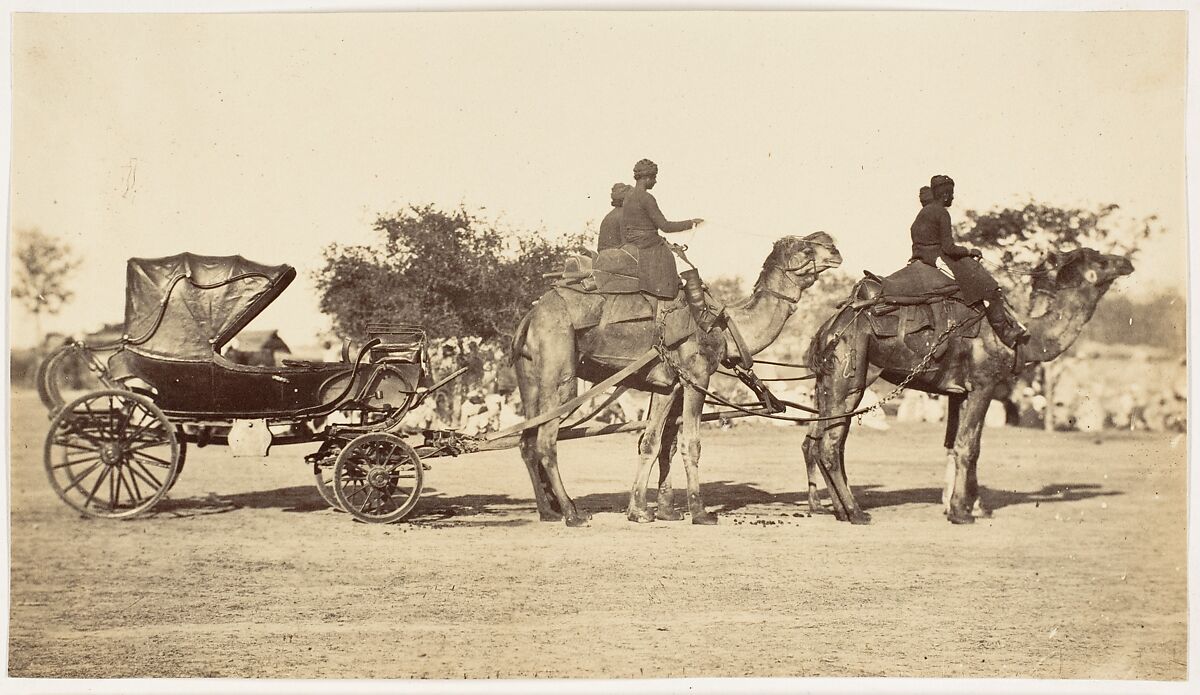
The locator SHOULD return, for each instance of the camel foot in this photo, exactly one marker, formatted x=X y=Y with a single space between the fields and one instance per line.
x=578 y=520
x=704 y=519
x=860 y=518
x=668 y=514
x=959 y=518
x=549 y=516
x=641 y=516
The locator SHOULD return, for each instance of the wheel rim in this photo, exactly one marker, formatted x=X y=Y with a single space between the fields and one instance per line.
x=378 y=478
x=111 y=454
x=324 y=480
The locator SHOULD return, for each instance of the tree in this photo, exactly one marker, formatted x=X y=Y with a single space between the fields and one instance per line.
x=43 y=263
x=1014 y=240
x=1019 y=238
x=450 y=271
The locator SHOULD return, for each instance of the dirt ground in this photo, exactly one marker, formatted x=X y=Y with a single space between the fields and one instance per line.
x=244 y=572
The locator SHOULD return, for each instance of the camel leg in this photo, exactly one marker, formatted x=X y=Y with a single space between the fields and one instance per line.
x=966 y=454
x=547 y=380
x=811 y=449
x=531 y=453
x=840 y=394
x=693 y=405
x=666 y=506
x=953 y=411
x=649 y=446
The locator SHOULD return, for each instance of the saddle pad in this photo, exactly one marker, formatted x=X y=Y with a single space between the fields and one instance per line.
x=616 y=270
x=917 y=282
x=884 y=326
x=619 y=308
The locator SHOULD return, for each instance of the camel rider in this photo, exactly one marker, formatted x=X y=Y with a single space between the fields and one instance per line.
x=641 y=220
x=610 y=227
x=925 y=195
x=933 y=240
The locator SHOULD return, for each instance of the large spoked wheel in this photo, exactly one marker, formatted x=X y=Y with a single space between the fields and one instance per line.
x=378 y=478
x=112 y=454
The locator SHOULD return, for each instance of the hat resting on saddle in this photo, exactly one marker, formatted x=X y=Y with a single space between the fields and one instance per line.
x=940 y=181
x=644 y=169
x=618 y=193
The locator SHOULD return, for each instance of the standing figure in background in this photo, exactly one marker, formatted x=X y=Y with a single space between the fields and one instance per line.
x=610 y=226
x=641 y=222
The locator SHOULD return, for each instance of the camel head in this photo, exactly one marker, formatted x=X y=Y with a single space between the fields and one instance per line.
x=1080 y=269
x=803 y=258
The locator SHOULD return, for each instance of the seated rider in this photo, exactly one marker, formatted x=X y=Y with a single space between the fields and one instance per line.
x=641 y=220
x=610 y=226
x=933 y=241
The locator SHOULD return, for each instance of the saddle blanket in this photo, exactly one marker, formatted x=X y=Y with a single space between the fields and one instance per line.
x=591 y=309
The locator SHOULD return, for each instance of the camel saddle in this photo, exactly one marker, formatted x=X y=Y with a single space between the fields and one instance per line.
x=603 y=289
x=916 y=304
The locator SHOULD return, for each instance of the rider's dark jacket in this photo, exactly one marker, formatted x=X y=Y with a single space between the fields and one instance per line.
x=933 y=237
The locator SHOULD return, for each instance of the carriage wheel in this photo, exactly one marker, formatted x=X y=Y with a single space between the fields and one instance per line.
x=378 y=478
x=182 y=460
x=112 y=454
x=323 y=475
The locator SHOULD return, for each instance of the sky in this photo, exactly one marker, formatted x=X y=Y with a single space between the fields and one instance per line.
x=272 y=136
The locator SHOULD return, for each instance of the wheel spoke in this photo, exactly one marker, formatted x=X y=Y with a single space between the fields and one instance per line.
x=367 y=500
x=359 y=491
x=147 y=445
x=145 y=473
x=77 y=480
x=92 y=494
x=136 y=493
x=92 y=417
x=68 y=463
x=153 y=460
x=114 y=489
x=68 y=444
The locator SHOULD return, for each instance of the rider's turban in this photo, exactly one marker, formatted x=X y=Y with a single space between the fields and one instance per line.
x=644 y=169
x=926 y=195
x=939 y=181
x=618 y=193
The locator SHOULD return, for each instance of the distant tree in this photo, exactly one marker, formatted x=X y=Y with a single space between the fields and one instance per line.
x=1159 y=320
x=1016 y=239
x=39 y=281
x=727 y=288
x=450 y=271
x=455 y=274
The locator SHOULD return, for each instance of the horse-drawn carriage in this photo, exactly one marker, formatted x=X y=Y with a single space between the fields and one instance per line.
x=116 y=451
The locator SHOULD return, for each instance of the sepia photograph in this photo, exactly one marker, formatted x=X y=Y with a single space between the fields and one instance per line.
x=531 y=349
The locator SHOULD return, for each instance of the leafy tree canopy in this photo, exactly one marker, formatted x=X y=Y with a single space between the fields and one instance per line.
x=43 y=264
x=450 y=271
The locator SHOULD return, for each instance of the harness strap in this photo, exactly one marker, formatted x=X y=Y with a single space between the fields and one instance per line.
x=570 y=406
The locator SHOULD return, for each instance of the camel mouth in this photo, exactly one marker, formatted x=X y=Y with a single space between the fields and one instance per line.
x=1123 y=266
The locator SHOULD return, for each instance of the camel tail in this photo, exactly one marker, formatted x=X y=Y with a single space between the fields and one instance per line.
x=518 y=341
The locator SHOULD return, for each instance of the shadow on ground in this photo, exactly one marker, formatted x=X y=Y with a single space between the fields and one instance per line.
x=722 y=496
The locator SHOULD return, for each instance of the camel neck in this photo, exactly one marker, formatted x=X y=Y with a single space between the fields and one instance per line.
x=1056 y=328
x=761 y=317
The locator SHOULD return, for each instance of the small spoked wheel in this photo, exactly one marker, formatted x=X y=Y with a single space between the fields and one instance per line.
x=377 y=478
x=112 y=454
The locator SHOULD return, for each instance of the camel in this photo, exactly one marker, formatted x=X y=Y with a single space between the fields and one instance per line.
x=847 y=357
x=549 y=355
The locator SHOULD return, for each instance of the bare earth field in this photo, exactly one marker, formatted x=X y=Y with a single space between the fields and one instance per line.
x=244 y=572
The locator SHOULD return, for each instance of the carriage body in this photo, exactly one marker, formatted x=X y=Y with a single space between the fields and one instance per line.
x=115 y=452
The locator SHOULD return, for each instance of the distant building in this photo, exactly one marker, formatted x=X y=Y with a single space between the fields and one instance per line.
x=256 y=348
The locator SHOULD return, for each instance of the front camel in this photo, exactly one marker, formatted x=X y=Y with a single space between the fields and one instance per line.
x=848 y=353
x=549 y=355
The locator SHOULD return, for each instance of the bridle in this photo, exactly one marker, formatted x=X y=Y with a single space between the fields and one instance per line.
x=808 y=266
